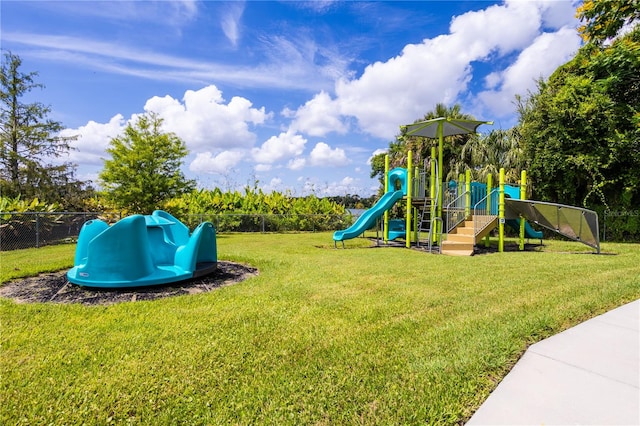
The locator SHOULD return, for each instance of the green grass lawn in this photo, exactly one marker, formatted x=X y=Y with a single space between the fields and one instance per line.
x=320 y=336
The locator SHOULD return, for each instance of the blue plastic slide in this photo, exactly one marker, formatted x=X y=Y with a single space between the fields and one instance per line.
x=529 y=232
x=369 y=217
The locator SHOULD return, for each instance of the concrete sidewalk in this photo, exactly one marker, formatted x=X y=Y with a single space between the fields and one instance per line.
x=588 y=375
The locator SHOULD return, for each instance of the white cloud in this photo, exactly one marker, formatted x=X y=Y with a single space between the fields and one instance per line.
x=283 y=146
x=438 y=70
x=346 y=185
x=297 y=163
x=492 y=80
x=230 y=21
x=377 y=152
x=263 y=167
x=302 y=60
x=204 y=121
x=388 y=93
x=318 y=117
x=538 y=60
x=174 y=13
x=323 y=155
x=93 y=139
x=558 y=14
x=275 y=184
x=503 y=28
x=296 y=63
x=319 y=6
x=222 y=163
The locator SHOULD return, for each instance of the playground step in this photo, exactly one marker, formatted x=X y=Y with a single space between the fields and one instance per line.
x=461 y=238
x=456 y=248
x=465 y=228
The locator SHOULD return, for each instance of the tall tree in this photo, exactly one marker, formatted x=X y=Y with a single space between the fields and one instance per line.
x=581 y=129
x=29 y=140
x=144 y=169
x=489 y=153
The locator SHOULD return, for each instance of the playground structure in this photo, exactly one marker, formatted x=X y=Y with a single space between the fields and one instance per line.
x=454 y=217
x=142 y=251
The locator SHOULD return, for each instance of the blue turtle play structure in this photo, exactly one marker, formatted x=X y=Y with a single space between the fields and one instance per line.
x=142 y=251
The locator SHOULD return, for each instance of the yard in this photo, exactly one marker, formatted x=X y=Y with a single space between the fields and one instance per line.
x=319 y=336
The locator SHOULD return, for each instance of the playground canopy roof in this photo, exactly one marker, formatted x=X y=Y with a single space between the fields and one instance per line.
x=442 y=127
x=438 y=128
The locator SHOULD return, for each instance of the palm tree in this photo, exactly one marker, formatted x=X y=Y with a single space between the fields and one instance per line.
x=487 y=154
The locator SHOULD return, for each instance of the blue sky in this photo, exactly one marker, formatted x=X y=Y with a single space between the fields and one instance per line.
x=295 y=95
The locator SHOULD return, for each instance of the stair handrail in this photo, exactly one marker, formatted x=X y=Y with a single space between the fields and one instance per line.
x=456 y=212
x=480 y=214
x=438 y=234
x=419 y=184
x=436 y=199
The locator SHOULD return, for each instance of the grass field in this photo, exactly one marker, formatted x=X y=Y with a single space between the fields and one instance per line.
x=320 y=336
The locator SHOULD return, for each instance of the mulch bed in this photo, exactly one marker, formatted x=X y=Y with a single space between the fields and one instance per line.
x=54 y=287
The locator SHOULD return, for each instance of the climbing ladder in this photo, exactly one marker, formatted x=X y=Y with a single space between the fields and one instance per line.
x=428 y=222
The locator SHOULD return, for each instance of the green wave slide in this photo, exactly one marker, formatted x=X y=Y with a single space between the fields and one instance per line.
x=369 y=217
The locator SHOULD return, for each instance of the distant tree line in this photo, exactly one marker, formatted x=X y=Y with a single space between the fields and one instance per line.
x=354 y=201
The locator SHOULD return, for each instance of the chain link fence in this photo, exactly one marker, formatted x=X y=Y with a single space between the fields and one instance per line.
x=37 y=229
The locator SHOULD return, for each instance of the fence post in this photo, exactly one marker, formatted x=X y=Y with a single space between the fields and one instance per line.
x=37 y=231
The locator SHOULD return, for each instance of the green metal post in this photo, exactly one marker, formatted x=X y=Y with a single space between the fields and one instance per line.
x=416 y=177
x=487 y=243
x=523 y=196
x=432 y=193
x=386 y=189
x=501 y=213
x=467 y=198
x=440 y=168
x=409 y=206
